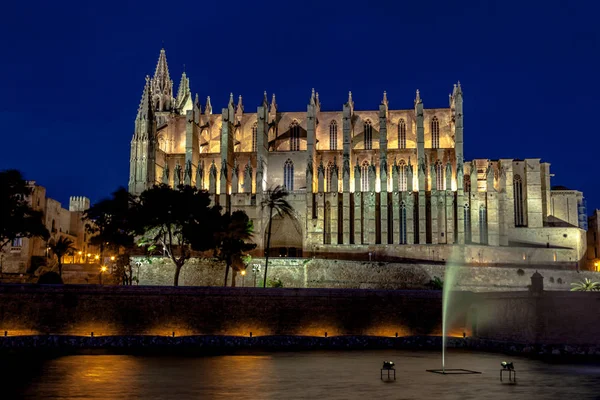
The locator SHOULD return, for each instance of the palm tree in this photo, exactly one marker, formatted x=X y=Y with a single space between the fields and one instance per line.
x=236 y=230
x=275 y=201
x=586 y=285
x=62 y=246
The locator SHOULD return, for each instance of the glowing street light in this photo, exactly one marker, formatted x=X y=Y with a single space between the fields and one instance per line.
x=103 y=269
x=243 y=277
x=112 y=258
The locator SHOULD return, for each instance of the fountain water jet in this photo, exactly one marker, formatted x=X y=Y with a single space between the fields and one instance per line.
x=450 y=273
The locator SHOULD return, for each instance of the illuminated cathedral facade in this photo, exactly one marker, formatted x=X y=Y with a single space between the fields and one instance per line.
x=392 y=183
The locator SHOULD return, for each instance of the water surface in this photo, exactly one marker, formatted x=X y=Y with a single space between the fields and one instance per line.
x=300 y=375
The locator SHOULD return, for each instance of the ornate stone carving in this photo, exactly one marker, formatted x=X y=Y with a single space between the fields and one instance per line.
x=165 y=177
x=177 y=176
x=188 y=173
x=200 y=175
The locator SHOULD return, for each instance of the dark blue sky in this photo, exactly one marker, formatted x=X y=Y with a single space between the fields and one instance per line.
x=72 y=74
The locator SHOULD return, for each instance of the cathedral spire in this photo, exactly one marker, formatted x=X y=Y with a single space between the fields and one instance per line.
x=231 y=102
x=145 y=107
x=385 y=99
x=162 y=85
x=418 y=97
x=273 y=106
x=265 y=102
x=312 y=98
x=184 y=90
x=208 y=106
x=240 y=107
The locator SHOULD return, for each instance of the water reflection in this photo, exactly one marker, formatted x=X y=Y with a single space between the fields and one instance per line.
x=314 y=375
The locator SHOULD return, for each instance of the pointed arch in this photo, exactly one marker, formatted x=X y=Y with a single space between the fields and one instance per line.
x=401 y=134
x=518 y=198
x=368 y=127
x=255 y=137
x=331 y=185
x=403 y=237
x=288 y=175
x=402 y=176
x=483 y=228
x=439 y=175
x=327 y=223
x=435 y=133
x=467 y=220
x=294 y=136
x=333 y=131
x=364 y=176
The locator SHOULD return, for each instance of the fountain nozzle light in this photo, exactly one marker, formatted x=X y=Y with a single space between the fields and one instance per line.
x=507 y=365
x=388 y=365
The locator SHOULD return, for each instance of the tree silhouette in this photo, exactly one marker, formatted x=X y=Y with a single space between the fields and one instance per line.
x=17 y=218
x=177 y=220
x=275 y=200
x=62 y=246
x=111 y=224
x=232 y=245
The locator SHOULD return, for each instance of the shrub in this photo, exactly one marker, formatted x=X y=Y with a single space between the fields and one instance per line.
x=551 y=279
x=436 y=283
x=520 y=272
x=275 y=283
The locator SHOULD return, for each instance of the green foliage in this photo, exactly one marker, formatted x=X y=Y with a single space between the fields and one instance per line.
x=586 y=285
x=276 y=201
x=275 y=283
x=62 y=247
x=436 y=283
x=177 y=221
x=110 y=221
x=17 y=218
x=232 y=241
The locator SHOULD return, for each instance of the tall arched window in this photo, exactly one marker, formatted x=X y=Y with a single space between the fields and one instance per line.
x=254 y=137
x=333 y=135
x=467 y=224
x=294 y=136
x=467 y=183
x=288 y=175
x=368 y=135
x=402 y=179
x=435 y=133
x=401 y=134
x=331 y=185
x=327 y=223
x=518 y=193
x=439 y=175
x=483 y=229
x=364 y=176
x=403 y=239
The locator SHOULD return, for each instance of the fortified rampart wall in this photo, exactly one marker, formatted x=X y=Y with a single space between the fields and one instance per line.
x=331 y=273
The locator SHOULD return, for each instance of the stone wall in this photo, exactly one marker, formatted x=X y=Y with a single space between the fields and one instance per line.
x=119 y=310
x=564 y=318
x=324 y=273
x=552 y=317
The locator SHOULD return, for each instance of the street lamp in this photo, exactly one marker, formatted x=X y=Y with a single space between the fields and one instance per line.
x=102 y=270
x=255 y=270
x=112 y=258
x=243 y=277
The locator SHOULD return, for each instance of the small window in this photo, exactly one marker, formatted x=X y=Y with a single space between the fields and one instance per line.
x=403 y=237
x=333 y=135
x=17 y=242
x=483 y=228
x=401 y=134
x=402 y=178
x=467 y=224
x=254 y=137
x=368 y=135
x=519 y=206
x=331 y=185
x=439 y=176
x=294 y=136
x=364 y=176
x=435 y=133
x=288 y=175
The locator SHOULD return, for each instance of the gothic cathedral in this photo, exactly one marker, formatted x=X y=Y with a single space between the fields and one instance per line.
x=393 y=183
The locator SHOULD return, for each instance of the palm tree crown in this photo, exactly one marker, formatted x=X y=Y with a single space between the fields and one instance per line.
x=62 y=246
x=276 y=201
